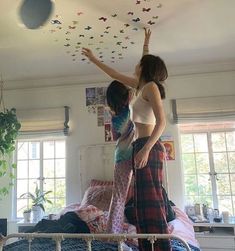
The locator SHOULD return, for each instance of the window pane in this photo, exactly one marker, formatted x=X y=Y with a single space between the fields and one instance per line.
x=34 y=150
x=60 y=168
x=190 y=184
x=60 y=188
x=48 y=149
x=49 y=186
x=60 y=203
x=48 y=168
x=225 y=203
x=202 y=160
x=223 y=184
x=22 y=169
x=21 y=206
x=189 y=163
x=200 y=141
x=220 y=162
x=231 y=162
x=34 y=168
x=204 y=185
x=232 y=177
x=206 y=200
x=187 y=143
x=230 y=137
x=22 y=150
x=218 y=142
x=60 y=149
x=32 y=185
x=22 y=187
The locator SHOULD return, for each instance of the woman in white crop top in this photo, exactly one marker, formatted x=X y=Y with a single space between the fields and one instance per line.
x=148 y=154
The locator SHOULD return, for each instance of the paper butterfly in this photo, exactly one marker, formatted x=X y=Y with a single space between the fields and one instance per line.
x=81 y=35
x=108 y=27
x=138 y=2
x=159 y=5
x=135 y=29
x=115 y=36
x=113 y=51
x=118 y=43
x=72 y=27
x=67 y=45
x=155 y=17
x=55 y=21
x=88 y=28
x=91 y=37
x=97 y=48
x=121 y=31
x=67 y=32
x=67 y=39
x=106 y=32
x=78 y=42
x=146 y=9
x=126 y=25
x=124 y=47
x=103 y=18
x=136 y=19
x=79 y=13
x=114 y=15
x=75 y=22
x=59 y=27
x=101 y=35
x=127 y=38
x=151 y=23
x=130 y=13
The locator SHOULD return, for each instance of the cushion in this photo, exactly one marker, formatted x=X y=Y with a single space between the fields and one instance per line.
x=95 y=182
x=98 y=196
x=89 y=213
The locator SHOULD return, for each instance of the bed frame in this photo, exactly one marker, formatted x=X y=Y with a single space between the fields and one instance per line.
x=119 y=238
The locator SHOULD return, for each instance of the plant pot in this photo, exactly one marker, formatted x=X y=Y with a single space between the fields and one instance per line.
x=27 y=216
x=37 y=213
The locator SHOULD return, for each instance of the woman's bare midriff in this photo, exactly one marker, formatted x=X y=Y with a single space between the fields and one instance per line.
x=143 y=130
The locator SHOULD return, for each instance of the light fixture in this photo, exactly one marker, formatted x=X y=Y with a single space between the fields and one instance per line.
x=35 y=13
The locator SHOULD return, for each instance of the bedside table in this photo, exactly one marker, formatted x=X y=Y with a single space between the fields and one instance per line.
x=25 y=226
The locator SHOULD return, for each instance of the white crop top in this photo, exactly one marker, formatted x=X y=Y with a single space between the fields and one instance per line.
x=141 y=110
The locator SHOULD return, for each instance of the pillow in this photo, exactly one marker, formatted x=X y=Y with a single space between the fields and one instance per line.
x=89 y=213
x=98 y=196
x=95 y=182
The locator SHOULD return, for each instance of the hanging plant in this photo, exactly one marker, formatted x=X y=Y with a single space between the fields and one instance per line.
x=9 y=128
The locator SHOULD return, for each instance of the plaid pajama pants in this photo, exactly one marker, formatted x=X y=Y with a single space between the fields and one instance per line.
x=122 y=179
x=148 y=197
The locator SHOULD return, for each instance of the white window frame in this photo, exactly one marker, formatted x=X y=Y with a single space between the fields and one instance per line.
x=212 y=174
x=31 y=138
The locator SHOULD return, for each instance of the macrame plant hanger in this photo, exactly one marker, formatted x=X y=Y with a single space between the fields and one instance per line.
x=2 y=106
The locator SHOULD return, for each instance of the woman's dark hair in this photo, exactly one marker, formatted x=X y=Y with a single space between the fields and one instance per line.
x=154 y=69
x=117 y=96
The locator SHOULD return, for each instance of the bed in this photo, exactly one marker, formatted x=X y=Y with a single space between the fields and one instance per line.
x=93 y=210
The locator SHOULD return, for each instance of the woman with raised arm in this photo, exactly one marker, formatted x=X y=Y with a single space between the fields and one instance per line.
x=148 y=152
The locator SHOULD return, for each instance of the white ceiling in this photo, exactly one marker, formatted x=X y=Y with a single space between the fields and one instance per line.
x=187 y=33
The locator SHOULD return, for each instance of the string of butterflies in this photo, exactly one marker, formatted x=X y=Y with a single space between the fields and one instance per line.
x=121 y=39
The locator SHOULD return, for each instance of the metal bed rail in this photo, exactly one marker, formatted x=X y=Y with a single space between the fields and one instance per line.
x=119 y=238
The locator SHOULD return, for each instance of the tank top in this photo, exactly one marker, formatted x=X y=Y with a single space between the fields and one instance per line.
x=141 y=110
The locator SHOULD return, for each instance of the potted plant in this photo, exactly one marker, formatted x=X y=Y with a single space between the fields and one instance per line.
x=27 y=214
x=38 y=200
x=9 y=128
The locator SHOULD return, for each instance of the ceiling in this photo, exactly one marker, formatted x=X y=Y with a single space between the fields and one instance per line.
x=186 y=33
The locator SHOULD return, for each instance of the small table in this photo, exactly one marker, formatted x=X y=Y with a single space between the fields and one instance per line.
x=25 y=226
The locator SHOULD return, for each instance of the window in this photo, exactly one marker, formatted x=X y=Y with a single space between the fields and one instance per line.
x=208 y=157
x=41 y=162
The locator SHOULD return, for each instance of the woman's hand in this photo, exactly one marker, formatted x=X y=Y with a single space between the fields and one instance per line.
x=88 y=53
x=147 y=34
x=141 y=158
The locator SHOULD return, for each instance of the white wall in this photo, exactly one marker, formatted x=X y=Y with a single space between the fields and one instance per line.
x=84 y=130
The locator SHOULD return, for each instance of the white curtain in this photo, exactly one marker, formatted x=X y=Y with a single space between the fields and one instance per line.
x=215 y=108
x=44 y=121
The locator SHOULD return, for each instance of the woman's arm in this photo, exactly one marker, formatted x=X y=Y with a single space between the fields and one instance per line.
x=152 y=94
x=147 y=34
x=130 y=81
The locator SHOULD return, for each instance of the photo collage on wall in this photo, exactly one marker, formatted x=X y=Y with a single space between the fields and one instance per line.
x=96 y=104
x=168 y=143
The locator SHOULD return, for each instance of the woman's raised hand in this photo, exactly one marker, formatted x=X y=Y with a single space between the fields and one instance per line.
x=88 y=53
x=147 y=34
